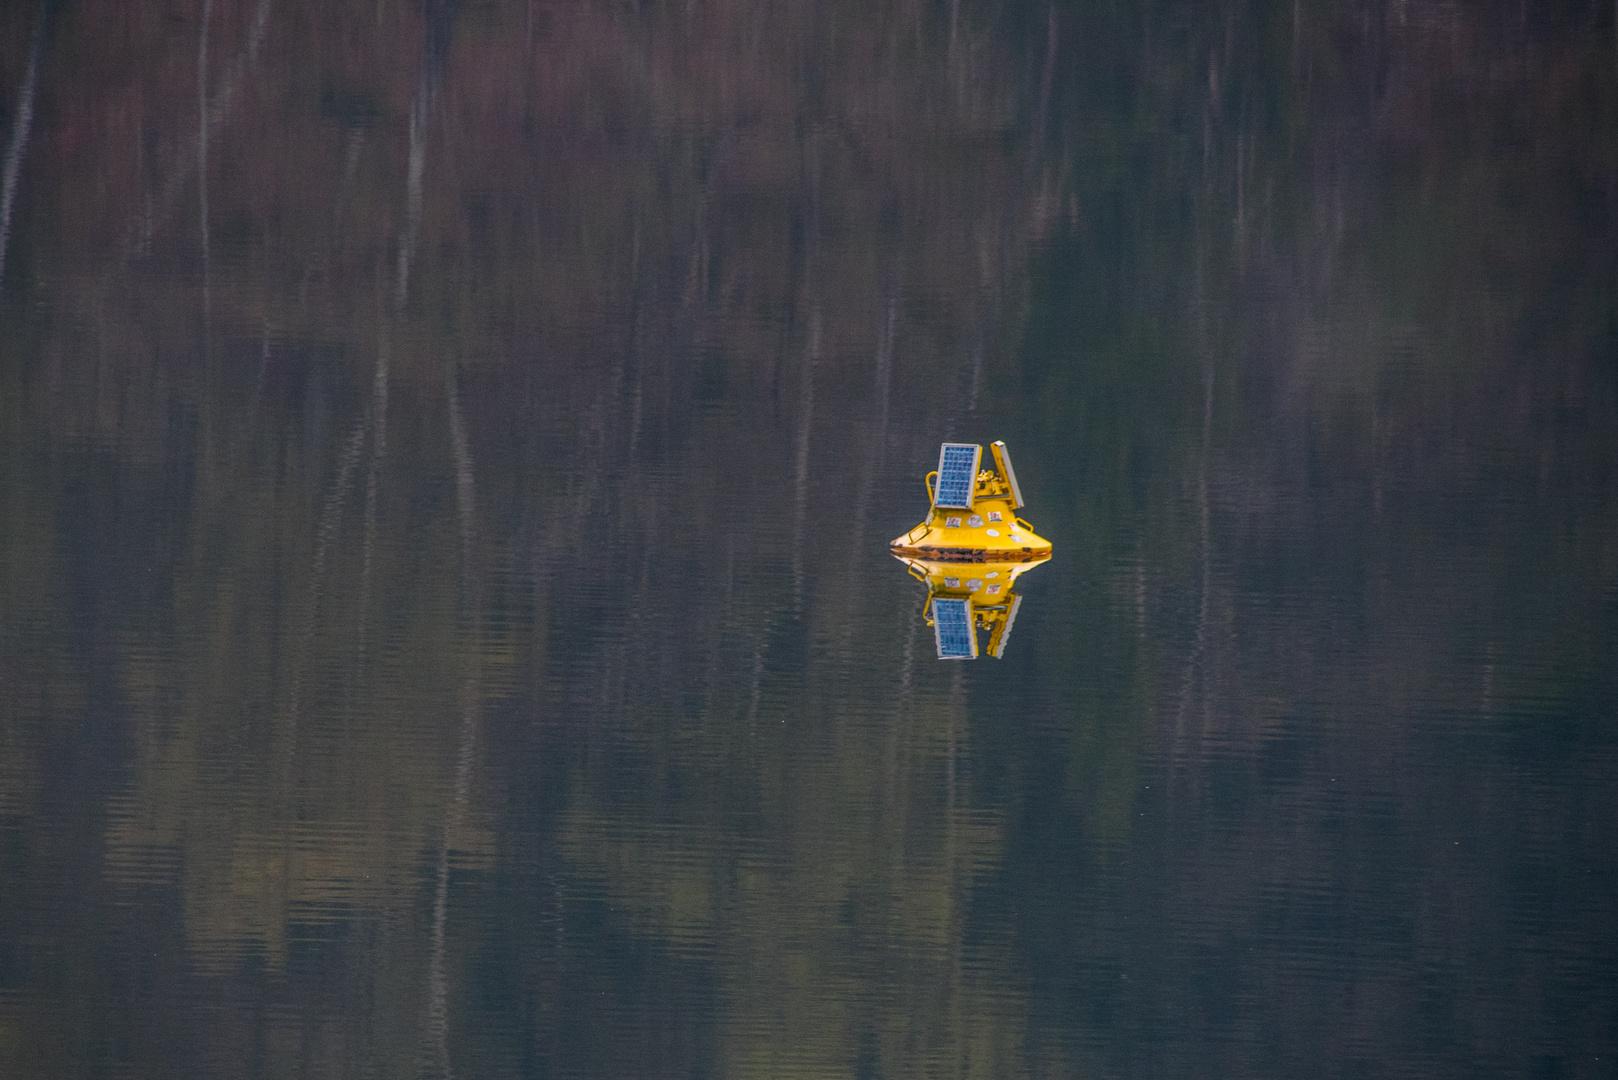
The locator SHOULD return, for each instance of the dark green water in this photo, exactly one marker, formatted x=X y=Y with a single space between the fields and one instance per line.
x=447 y=459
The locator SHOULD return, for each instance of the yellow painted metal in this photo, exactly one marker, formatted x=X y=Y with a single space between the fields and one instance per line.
x=977 y=553
x=990 y=531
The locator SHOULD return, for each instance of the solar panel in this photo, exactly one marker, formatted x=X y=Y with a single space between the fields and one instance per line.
x=997 y=640
x=1002 y=461
x=957 y=474
x=952 y=623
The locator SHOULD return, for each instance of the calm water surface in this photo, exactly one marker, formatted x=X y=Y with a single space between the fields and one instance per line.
x=447 y=458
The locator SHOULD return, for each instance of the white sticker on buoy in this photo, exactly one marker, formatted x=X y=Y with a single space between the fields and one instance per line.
x=974 y=584
x=993 y=532
x=952 y=523
x=974 y=521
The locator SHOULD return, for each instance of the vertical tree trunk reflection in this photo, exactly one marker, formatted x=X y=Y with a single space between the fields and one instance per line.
x=21 y=125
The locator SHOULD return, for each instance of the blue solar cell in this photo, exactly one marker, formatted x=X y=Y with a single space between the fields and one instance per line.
x=957 y=474
x=952 y=623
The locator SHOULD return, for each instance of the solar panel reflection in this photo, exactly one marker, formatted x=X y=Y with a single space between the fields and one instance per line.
x=952 y=623
x=997 y=640
x=957 y=474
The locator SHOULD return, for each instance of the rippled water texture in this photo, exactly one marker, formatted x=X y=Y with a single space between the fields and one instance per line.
x=448 y=453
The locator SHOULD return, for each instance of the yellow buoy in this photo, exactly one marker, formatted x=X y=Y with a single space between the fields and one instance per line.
x=971 y=549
